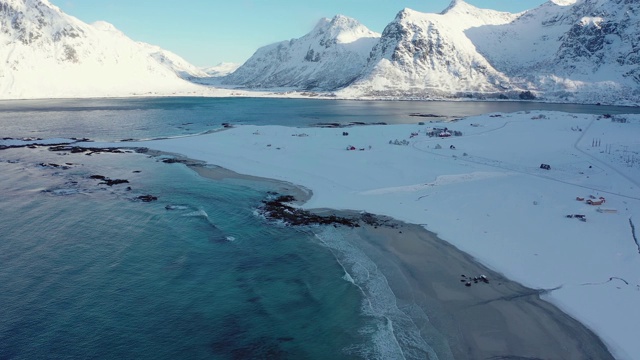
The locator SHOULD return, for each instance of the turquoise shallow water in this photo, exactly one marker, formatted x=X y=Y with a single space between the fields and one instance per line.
x=86 y=272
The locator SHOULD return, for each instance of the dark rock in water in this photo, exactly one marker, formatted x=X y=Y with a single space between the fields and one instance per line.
x=110 y=182
x=327 y=125
x=277 y=210
x=79 y=149
x=49 y=165
x=425 y=115
x=147 y=198
x=174 y=161
x=107 y=181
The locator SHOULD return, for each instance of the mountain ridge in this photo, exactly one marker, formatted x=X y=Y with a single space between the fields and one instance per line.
x=584 y=51
x=328 y=57
x=563 y=50
x=47 y=53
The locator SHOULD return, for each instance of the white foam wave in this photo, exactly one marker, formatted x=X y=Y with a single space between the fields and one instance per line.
x=176 y=207
x=348 y=278
x=63 y=192
x=198 y=213
x=394 y=334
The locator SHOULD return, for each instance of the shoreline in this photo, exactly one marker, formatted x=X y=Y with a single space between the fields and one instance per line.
x=215 y=172
x=498 y=319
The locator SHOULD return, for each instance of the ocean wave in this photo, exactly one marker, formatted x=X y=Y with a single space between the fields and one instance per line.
x=394 y=333
x=197 y=213
x=63 y=192
x=177 y=207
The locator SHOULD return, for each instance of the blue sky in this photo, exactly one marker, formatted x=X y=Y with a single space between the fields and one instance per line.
x=207 y=32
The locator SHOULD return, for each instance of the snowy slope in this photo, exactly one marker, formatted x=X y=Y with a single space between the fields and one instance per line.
x=425 y=54
x=222 y=69
x=46 y=53
x=562 y=47
x=332 y=55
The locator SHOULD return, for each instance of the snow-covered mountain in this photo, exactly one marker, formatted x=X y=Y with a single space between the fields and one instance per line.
x=332 y=55
x=429 y=54
x=574 y=50
x=47 y=53
x=563 y=50
x=222 y=69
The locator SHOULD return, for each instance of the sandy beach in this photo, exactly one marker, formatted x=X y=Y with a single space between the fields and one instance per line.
x=500 y=319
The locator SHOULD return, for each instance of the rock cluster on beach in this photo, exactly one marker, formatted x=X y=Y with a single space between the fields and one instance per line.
x=277 y=209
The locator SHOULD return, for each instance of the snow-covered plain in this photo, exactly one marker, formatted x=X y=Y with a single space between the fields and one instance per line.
x=488 y=196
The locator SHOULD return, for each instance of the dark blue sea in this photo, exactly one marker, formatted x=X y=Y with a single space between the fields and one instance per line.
x=89 y=271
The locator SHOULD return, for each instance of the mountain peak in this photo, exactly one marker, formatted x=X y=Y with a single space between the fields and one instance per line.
x=342 y=29
x=105 y=26
x=563 y=2
x=458 y=5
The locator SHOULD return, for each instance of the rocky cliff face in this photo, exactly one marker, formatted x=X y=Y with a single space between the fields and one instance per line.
x=604 y=34
x=569 y=50
x=332 y=55
x=46 y=53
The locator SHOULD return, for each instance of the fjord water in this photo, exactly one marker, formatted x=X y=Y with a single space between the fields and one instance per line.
x=86 y=271
x=143 y=118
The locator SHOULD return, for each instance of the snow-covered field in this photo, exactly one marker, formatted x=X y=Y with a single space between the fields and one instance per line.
x=488 y=196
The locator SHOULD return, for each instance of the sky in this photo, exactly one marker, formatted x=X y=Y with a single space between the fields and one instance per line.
x=209 y=32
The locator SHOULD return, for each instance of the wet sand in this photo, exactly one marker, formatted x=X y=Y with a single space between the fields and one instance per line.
x=500 y=319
